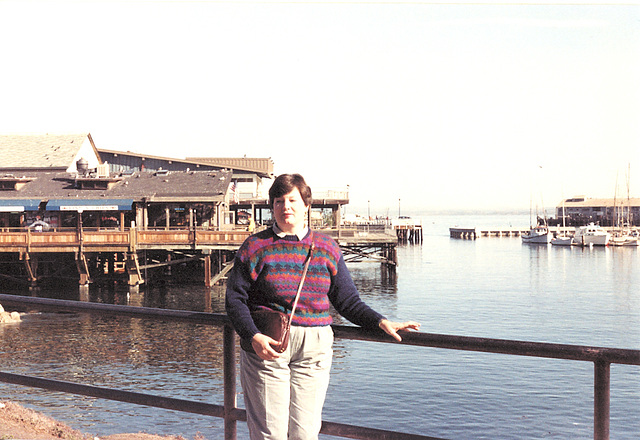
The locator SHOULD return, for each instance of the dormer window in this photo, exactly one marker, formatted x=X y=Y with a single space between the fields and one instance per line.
x=97 y=182
x=10 y=182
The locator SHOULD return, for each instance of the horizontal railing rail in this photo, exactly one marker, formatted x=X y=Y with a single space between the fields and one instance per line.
x=70 y=240
x=602 y=357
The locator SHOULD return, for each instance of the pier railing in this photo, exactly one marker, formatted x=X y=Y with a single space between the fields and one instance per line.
x=116 y=240
x=601 y=357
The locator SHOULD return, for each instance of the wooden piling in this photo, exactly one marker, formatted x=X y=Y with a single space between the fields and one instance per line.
x=464 y=233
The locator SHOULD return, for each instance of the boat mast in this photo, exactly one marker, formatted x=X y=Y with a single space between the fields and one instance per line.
x=615 y=217
x=544 y=213
x=629 y=197
x=530 y=210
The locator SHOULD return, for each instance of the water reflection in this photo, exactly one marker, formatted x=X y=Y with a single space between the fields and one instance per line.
x=70 y=346
x=493 y=287
x=193 y=297
x=179 y=360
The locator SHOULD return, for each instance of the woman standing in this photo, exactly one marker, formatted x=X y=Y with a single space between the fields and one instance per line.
x=284 y=392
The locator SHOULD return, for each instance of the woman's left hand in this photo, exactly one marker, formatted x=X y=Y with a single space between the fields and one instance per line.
x=392 y=328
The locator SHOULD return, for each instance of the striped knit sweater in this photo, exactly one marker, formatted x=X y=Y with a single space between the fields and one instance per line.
x=266 y=274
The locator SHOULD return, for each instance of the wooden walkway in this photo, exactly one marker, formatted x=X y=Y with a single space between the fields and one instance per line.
x=361 y=245
x=100 y=253
x=132 y=253
x=114 y=240
x=474 y=233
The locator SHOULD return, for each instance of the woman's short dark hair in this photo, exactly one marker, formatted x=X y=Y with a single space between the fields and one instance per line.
x=285 y=183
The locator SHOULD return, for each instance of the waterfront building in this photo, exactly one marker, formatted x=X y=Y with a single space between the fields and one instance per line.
x=66 y=205
x=581 y=210
x=250 y=175
x=60 y=198
x=51 y=177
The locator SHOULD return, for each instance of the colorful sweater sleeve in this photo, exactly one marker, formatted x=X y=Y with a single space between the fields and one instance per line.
x=345 y=298
x=236 y=301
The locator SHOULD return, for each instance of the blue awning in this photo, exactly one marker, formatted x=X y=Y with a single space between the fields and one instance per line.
x=89 y=205
x=19 y=205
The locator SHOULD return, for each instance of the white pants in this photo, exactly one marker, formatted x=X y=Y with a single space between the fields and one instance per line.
x=284 y=397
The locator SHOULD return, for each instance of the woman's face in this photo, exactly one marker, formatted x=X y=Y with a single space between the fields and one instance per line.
x=290 y=211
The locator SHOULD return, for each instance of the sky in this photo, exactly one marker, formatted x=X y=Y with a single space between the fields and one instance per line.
x=412 y=106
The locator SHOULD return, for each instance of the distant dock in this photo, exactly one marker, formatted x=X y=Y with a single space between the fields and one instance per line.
x=474 y=233
x=408 y=229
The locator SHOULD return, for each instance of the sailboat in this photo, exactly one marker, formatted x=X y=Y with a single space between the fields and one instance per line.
x=627 y=239
x=538 y=234
x=623 y=235
x=562 y=239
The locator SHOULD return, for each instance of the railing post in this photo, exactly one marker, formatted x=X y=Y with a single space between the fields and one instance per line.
x=229 y=348
x=601 y=400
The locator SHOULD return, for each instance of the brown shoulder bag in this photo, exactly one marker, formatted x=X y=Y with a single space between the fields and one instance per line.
x=275 y=324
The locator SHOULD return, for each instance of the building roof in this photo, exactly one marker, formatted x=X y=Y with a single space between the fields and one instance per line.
x=59 y=152
x=584 y=202
x=189 y=186
x=178 y=186
x=261 y=167
x=256 y=164
x=41 y=151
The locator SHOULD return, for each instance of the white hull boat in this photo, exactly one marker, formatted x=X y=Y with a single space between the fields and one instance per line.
x=537 y=235
x=624 y=240
x=591 y=235
x=562 y=240
x=624 y=234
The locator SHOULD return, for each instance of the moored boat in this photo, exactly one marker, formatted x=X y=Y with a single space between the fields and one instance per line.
x=591 y=235
x=624 y=234
x=625 y=239
x=562 y=240
x=537 y=235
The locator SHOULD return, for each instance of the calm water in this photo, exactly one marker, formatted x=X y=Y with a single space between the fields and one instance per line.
x=491 y=287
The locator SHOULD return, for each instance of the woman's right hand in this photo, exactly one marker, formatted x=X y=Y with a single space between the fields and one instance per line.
x=262 y=345
x=392 y=328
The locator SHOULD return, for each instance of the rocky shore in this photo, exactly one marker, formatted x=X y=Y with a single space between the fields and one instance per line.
x=20 y=423
x=17 y=422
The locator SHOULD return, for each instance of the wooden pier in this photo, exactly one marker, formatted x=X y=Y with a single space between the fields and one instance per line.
x=105 y=253
x=408 y=230
x=467 y=233
x=135 y=255
x=360 y=244
x=474 y=233
x=409 y=234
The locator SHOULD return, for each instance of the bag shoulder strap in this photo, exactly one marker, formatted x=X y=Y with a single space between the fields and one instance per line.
x=304 y=275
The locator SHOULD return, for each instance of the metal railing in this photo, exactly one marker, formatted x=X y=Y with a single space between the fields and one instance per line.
x=601 y=357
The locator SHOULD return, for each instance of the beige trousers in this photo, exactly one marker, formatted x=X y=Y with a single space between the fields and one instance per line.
x=284 y=397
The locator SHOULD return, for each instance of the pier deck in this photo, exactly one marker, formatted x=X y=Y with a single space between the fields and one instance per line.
x=116 y=240
x=30 y=256
x=474 y=233
x=372 y=245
